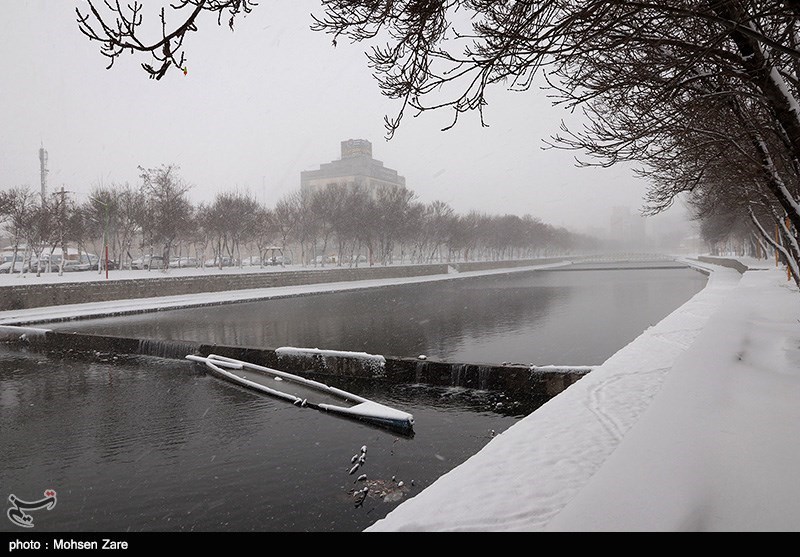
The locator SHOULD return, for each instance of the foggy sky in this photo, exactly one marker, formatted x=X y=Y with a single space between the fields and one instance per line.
x=261 y=104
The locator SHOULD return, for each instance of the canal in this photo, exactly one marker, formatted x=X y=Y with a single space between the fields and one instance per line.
x=134 y=443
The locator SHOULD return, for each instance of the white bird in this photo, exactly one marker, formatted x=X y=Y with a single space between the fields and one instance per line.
x=354 y=468
x=422 y=357
x=361 y=478
x=399 y=484
x=363 y=448
x=355 y=457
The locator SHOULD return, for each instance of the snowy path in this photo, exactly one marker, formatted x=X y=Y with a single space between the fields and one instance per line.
x=692 y=426
x=717 y=450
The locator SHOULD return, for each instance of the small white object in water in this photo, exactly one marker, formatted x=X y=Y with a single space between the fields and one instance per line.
x=393 y=478
x=422 y=357
x=278 y=378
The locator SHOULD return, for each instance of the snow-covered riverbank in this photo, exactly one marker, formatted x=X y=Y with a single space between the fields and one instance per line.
x=691 y=427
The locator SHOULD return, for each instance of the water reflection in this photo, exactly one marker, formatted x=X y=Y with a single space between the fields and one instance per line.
x=574 y=318
x=151 y=444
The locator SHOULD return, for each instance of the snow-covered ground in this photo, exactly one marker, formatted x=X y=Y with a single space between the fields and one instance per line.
x=694 y=426
x=10 y=279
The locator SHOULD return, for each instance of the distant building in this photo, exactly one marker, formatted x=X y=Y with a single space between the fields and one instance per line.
x=356 y=168
x=627 y=228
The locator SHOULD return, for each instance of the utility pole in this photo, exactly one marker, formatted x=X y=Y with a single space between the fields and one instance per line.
x=43 y=171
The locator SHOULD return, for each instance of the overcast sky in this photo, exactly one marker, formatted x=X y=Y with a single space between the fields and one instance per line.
x=261 y=104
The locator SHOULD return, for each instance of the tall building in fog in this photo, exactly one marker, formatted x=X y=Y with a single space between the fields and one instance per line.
x=627 y=228
x=356 y=167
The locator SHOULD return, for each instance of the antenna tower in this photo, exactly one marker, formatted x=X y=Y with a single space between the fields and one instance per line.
x=43 y=170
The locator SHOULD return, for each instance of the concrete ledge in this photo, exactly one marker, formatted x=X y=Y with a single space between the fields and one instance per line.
x=518 y=380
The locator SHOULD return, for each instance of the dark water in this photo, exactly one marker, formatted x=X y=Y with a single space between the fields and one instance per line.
x=147 y=444
x=570 y=318
x=158 y=445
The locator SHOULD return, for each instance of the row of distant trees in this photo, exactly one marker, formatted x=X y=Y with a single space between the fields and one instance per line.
x=157 y=217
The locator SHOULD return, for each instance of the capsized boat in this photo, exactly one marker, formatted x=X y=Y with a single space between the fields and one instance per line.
x=306 y=392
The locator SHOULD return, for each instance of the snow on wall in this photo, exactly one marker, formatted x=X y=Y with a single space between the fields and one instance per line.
x=306 y=352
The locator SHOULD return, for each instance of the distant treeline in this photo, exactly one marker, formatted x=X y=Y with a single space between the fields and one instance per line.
x=343 y=224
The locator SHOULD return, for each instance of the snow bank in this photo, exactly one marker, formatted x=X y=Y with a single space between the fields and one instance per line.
x=522 y=479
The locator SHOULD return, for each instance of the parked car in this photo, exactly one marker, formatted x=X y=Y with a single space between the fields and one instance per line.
x=184 y=262
x=20 y=266
x=279 y=260
x=226 y=262
x=252 y=261
x=148 y=262
x=86 y=262
x=54 y=260
x=100 y=264
x=325 y=259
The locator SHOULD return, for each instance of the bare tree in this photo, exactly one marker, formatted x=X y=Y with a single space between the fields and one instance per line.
x=131 y=213
x=168 y=208
x=286 y=218
x=20 y=205
x=118 y=27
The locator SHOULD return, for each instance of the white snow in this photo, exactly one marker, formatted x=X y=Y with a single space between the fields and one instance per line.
x=691 y=427
x=292 y=351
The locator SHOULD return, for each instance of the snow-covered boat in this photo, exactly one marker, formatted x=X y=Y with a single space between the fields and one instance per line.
x=306 y=392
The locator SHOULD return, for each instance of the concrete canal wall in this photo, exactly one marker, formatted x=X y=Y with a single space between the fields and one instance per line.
x=514 y=378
